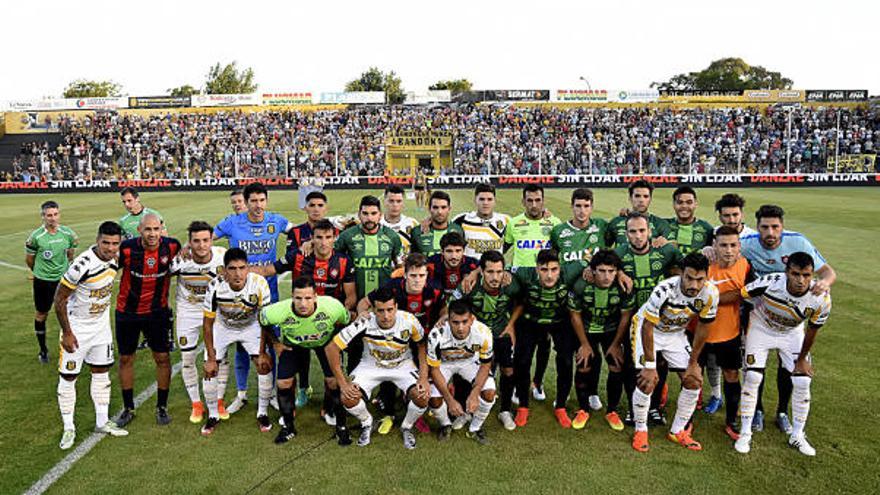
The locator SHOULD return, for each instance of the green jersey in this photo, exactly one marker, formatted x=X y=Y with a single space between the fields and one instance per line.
x=493 y=310
x=600 y=308
x=692 y=237
x=373 y=255
x=311 y=331
x=574 y=244
x=50 y=251
x=542 y=305
x=649 y=269
x=527 y=237
x=129 y=222
x=615 y=233
x=429 y=244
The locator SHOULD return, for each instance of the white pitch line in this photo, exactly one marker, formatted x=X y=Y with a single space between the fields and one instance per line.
x=82 y=449
x=15 y=267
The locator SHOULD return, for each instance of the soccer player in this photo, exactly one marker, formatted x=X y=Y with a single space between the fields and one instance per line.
x=583 y=235
x=373 y=248
x=542 y=296
x=603 y=309
x=82 y=304
x=448 y=268
x=387 y=356
x=130 y=222
x=483 y=228
x=462 y=347
x=426 y=238
x=231 y=309
x=640 y=193
x=194 y=273
x=142 y=308
x=730 y=213
x=686 y=231
x=783 y=304
x=394 y=218
x=236 y=200
x=658 y=329
x=48 y=253
x=316 y=210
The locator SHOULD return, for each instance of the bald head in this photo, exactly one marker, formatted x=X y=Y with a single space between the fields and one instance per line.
x=150 y=230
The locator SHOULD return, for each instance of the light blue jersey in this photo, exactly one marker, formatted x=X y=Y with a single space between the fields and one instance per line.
x=259 y=240
x=765 y=261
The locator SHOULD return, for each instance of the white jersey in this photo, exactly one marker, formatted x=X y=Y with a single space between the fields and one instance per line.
x=237 y=310
x=670 y=310
x=91 y=280
x=403 y=225
x=482 y=234
x=776 y=309
x=443 y=347
x=384 y=348
x=192 y=285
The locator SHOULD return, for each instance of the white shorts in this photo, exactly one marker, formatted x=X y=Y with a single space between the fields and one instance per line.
x=673 y=346
x=95 y=347
x=760 y=340
x=368 y=376
x=224 y=338
x=464 y=368
x=188 y=334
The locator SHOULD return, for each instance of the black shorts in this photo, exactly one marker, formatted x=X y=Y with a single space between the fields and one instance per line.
x=503 y=351
x=600 y=343
x=44 y=294
x=728 y=354
x=155 y=327
x=291 y=362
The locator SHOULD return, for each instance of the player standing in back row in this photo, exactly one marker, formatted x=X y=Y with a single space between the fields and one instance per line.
x=483 y=228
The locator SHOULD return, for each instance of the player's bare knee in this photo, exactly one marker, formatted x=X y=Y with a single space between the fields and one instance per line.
x=508 y=372
x=126 y=360
x=435 y=402
x=731 y=376
x=162 y=359
x=68 y=377
x=488 y=395
x=286 y=383
x=41 y=317
x=690 y=383
x=100 y=369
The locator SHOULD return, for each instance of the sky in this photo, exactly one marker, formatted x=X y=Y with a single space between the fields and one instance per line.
x=318 y=46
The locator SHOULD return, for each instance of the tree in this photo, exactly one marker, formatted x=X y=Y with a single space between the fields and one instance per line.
x=455 y=86
x=83 y=88
x=376 y=80
x=185 y=90
x=727 y=74
x=227 y=80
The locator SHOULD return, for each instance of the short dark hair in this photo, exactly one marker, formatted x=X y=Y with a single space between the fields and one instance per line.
x=696 y=261
x=393 y=189
x=452 y=239
x=546 y=256
x=683 y=190
x=484 y=188
x=414 y=260
x=324 y=224
x=234 y=254
x=382 y=294
x=730 y=200
x=605 y=257
x=199 y=226
x=236 y=192
x=109 y=228
x=254 y=188
x=530 y=188
x=48 y=204
x=441 y=195
x=726 y=230
x=769 y=211
x=129 y=190
x=316 y=195
x=302 y=282
x=582 y=193
x=800 y=259
x=460 y=307
x=641 y=184
x=369 y=200
x=636 y=214
x=491 y=257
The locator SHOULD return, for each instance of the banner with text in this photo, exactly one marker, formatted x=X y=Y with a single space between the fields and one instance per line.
x=292 y=98
x=158 y=101
x=226 y=100
x=353 y=97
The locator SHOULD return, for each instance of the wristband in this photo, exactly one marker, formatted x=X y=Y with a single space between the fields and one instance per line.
x=650 y=365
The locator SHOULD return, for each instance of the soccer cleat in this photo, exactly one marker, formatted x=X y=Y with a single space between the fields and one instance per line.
x=800 y=442
x=743 y=444
x=562 y=417
x=198 y=411
x=385 y=425
x=580 y=419
x=264 y=423
x=595 y=402
x=479 y=436
x=713 y=405
x=221 y=409
x=236 y=405
x=784 y=424
x=43 y=357
x=302 y=396
x=444 y=432
x=758 y=421
x=655 y=418
x=328 y=418
x=522 y=416
x=409 y=438
x=684 y=439
x=111 y=429
x=286 y=434
x=507 y=420
x=364 y=438
x=731 y=432
x=538 y=392
x=640 y=441
x=628 y=419
x=67 y=439
x=125 y=418
x=162 y=416
x=461 y=421
x=210 y=425
x=422 y=426
x=614 y=421
x=343 y=437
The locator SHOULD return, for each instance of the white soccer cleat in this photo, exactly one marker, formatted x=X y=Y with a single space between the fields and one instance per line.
x=507 y=421
x=800 y=442
x=364 y=438
x=744 y=444
x=329 y=419
x=538 y=393
x=236 y=405
x=111 y=429
x=67 y=439
x=461 y=421
x=595 y=402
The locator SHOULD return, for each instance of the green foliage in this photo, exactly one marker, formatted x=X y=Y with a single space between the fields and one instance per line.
x=455 y=86
x=84 y=88
x=185 y=90
x=228 y=79
x=374 y=79
x=727 y=74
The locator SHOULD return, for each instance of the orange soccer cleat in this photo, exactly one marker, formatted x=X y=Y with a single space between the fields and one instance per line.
x=522 y=416
x=580 y=419
x=684 y=439
x=221 y=409
x=562 y=417
x=640 y=441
